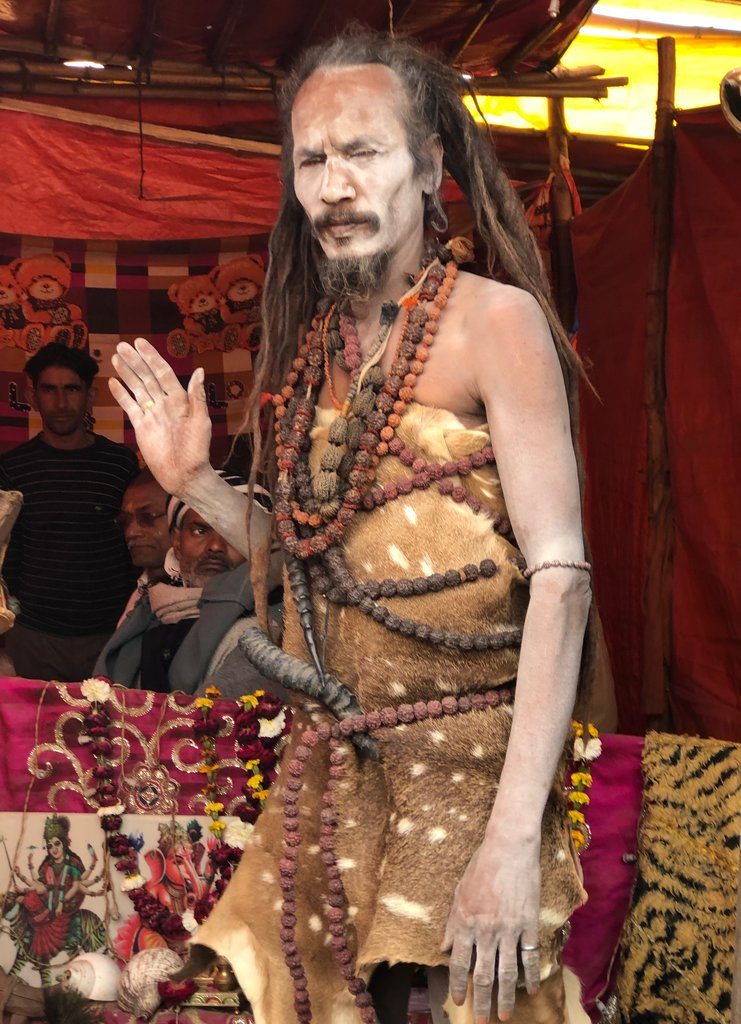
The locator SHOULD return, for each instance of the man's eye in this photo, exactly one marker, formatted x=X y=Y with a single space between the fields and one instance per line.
x=364 y=152
x=312 y=161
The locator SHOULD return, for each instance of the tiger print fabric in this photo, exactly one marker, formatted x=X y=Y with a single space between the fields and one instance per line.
x=678 y=942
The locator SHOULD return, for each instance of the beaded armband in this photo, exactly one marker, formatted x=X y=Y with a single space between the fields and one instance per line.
x=583 y=566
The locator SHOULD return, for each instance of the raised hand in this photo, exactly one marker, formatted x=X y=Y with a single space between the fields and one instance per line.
x=173 y=428
x=495 y=914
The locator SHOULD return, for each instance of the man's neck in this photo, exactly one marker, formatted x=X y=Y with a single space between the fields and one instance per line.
x=406 y=261
x=81 y=438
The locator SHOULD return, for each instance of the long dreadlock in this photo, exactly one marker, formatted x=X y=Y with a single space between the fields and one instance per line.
x=434 y=107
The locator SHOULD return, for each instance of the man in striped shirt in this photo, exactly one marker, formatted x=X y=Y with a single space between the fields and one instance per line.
x=67 y=561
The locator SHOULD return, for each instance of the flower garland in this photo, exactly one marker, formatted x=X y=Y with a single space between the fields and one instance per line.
x=581 y=781
x=260 y=723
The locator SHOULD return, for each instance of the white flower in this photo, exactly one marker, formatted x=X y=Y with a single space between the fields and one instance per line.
x=83 y=738
x=237 y=833
x=96 y=690
x=111 y=809
x=132 y=882
x=270 y=727
x=189 y=921
x=592 y=749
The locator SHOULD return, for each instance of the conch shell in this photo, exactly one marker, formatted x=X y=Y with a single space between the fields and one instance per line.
x=137 y=989
x=94 y=975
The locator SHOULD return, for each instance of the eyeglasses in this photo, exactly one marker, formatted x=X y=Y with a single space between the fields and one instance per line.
x=144 y=519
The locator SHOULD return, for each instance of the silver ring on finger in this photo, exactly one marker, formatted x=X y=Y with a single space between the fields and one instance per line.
x=149 y=404
x=528 y=949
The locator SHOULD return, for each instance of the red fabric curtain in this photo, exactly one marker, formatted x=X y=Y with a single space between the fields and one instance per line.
x=66 y=181
x=612 y=244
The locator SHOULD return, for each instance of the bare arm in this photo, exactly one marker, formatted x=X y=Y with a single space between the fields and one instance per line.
x=519 y=382
x=173 y=431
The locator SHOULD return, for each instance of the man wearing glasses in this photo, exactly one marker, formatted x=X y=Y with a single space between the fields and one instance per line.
x=143 y=521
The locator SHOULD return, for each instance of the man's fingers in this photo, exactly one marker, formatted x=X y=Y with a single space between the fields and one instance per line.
x=159 y=367
x=484 y=977
x=132 y=380
x=531 y=961
x=141 y=359
x=197 y=391
x=507 y=978
x=129 y=405
x=460 y=965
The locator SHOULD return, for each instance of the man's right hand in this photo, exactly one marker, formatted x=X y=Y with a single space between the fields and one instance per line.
x=173 y=428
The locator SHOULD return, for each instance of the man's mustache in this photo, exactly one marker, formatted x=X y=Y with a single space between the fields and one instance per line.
x=213 y=562
x=341 y=218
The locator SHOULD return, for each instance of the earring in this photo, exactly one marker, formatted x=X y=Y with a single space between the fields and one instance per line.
x=435 y=214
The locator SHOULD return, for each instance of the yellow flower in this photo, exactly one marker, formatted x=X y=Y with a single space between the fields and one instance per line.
x=249 y=700
x=251 y=765
x=255 y=781
x=204 y=702
x=578 y=798
x=578 y=838
x=261 y=795
x=576 y=816
x=578 y=728
x=259 y=693
x=213 y=691
x=214 y=807
x=593 y=732
x=217 y=827
x=205 y=768
x=581 y=778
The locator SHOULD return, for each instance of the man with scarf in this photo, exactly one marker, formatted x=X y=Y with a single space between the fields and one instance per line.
x=179 y=633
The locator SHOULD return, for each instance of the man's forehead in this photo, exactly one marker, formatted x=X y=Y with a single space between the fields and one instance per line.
x=60 y=375
x=148 y=495
x=358 y=91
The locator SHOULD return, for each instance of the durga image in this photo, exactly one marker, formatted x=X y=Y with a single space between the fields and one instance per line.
x=46 y=917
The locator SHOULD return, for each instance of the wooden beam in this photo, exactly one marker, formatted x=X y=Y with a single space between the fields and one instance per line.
x=659 y=546
x=531 y=43
x=562 y=214
x=34 y=47
x=203 y=78
x=51 y=27
x=82 y=89
x=224 y=38
x=153 y=131
x=472 y=30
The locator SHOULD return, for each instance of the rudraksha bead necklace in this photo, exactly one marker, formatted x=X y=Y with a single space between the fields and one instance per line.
x=312 y=515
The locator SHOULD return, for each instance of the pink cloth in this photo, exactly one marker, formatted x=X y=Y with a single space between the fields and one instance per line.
x=23 y=698
x=617 y=786
x=612 y=815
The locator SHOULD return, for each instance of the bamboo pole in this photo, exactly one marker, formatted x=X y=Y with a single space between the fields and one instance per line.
x=203 y=77
x=562 y=213
x=87 y=87
x=153 y=131
x=658 y=571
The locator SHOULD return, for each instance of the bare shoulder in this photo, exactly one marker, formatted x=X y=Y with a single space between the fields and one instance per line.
x=505 y=332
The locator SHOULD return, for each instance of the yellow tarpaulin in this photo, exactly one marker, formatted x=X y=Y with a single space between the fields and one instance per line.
x=618 y=38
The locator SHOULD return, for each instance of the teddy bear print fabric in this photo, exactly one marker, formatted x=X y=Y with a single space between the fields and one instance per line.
x=33 y=307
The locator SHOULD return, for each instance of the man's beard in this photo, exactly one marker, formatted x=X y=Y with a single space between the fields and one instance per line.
x=353 y=277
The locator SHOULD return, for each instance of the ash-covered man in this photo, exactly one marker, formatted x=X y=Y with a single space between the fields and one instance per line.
x=427 y=486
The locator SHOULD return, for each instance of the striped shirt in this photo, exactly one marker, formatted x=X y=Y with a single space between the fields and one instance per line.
x=67 y=562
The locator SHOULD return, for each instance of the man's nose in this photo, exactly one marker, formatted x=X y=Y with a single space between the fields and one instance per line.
x=215 y=542
x=336 y=181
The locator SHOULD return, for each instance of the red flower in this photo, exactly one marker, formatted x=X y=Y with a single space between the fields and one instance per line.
x=172 y=993
x=111 y=822
x=129 y=864
x=252 y=752
x=206 y=727
x=119 y=845
x=204 y=906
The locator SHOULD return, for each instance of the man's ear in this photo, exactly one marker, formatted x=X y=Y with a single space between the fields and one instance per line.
x=92 y=394
x=432 y=154
x=31 y=395
x=175 y=537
